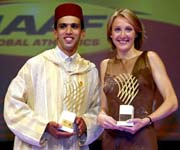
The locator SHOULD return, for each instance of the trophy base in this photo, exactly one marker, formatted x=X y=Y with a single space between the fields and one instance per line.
x=126 y=112
x=125 y=123
x=66 y=129
x=67 y=119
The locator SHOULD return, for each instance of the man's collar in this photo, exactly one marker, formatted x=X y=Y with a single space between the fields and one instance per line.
x=63 y=56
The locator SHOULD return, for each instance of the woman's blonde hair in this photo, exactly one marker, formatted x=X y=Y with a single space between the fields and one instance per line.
x=133 y=20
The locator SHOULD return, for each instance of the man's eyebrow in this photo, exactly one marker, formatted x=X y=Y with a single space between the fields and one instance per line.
x=68 y=23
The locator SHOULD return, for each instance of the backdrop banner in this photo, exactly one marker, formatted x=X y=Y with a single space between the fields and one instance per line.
x=26 y=29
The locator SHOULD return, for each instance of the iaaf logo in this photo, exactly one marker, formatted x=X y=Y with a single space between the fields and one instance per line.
x=30 y=25
x=26 y=27
x=23 y=31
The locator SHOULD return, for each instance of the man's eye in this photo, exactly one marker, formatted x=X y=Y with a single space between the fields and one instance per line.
x=74 y=25
x=62 y=26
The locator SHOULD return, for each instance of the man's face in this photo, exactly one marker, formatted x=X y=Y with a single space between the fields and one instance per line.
x=68 y=34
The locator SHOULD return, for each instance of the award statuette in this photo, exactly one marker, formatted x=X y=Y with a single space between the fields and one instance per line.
x=128 y=89
x=126 y=112
x=67 y=119
x=72 y=102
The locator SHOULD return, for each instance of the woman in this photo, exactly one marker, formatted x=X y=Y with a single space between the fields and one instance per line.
x=132 y=77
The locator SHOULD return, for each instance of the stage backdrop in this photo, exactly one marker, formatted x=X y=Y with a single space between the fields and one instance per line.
x=26 y=29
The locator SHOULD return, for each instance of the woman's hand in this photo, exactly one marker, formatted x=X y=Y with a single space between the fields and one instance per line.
x=138 y=124
x=106 y=121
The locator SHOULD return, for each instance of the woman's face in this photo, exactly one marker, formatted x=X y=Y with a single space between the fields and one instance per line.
x=123 y=34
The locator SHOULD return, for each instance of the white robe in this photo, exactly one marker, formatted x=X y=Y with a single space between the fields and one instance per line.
x=35 y=97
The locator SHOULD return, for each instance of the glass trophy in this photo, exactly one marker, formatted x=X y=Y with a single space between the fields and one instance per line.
x=128 y=89
x=74 y=92
x=66 y=120
x=126 y=112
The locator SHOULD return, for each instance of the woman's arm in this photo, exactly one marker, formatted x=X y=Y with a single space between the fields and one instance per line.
x=170 y=102
x=105 y=121
x=103 y=67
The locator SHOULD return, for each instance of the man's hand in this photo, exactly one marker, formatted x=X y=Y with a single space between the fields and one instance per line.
x=81 y=125
x=52 y=128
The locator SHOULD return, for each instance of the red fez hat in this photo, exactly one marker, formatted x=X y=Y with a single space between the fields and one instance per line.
x=68 y=9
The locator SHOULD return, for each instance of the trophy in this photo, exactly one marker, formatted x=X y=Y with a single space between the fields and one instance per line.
x=67 y=119
x=126 y=112
x=73 y=99
x=128 y=89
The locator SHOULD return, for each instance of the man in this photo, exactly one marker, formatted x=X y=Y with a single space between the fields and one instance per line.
x=56 y=81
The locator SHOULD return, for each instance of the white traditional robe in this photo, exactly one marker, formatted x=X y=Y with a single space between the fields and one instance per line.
x=36 y=96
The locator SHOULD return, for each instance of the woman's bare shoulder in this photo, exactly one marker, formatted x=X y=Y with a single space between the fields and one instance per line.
x=104 y=62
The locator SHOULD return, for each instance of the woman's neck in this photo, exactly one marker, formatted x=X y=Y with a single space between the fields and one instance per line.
x=128 y=54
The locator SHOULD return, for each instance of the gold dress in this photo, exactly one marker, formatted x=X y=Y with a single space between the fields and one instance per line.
x=138 y=67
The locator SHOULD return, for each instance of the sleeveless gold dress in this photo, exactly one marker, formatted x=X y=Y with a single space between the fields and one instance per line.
x=144 y=139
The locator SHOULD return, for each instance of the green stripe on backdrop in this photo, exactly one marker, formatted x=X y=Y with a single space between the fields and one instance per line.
x=26 y=26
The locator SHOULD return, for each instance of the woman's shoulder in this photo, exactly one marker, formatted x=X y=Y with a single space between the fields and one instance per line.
x=103 y=64
x=154 y=59
x=105 y=61
x=153 y=56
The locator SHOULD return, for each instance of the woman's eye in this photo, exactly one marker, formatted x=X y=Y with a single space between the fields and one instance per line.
x=129 y=29
x=117 y=29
